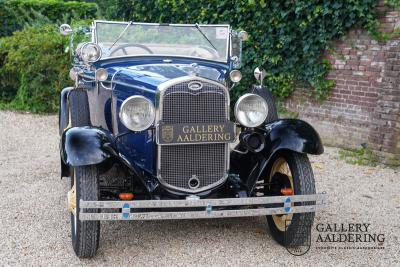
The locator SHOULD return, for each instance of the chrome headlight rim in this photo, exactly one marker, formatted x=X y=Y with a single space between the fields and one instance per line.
x=101 y=75
x=240 y=101
x=85 y=46
x=126 y=102
x=235 y=76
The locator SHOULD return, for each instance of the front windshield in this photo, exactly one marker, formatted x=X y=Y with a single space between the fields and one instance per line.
x=118 y=39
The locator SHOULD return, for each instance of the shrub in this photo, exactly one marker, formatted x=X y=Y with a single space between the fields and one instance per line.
x=15 y=14
x=35 y=68
x=287 y=37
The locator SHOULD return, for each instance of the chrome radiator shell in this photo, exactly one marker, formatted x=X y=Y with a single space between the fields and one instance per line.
x=209 y=162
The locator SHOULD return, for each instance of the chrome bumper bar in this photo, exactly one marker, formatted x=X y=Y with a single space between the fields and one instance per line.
x=200 y=208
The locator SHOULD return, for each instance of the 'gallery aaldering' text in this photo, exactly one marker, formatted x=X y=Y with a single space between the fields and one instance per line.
x=349 y=233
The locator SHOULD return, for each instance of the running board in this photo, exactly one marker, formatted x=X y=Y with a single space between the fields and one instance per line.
x=200 y=208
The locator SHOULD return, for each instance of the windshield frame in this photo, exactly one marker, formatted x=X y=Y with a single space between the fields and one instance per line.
x=228 y=40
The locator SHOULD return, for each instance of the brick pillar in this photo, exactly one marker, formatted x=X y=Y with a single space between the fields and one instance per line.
x=386 y=116
x=364 y=106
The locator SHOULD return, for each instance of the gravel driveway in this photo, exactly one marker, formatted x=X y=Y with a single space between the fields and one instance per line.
x=35 y=230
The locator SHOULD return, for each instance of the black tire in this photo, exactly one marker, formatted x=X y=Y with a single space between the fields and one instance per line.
x=269 y=98
x=85 y=234
x=304 y=184
x=79 y=108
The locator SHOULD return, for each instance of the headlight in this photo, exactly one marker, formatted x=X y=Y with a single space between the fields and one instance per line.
x=137 y=113
x=101 y=75
x=251 y=110
x=90 y=52
x=235 y=76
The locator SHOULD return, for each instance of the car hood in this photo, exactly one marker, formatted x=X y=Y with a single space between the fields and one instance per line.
x=151 y=73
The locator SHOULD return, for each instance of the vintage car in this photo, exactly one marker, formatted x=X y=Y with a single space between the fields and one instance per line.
x=148 y=132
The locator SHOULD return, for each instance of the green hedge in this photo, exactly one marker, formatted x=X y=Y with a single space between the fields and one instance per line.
x=287 y=37
x=15 y=14
x=34 y=69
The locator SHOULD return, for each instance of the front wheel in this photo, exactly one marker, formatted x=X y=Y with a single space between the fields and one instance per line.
x=290 y=173
x=85 y=234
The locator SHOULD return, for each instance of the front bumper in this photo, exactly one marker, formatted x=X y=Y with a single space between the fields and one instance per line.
x=200 y=208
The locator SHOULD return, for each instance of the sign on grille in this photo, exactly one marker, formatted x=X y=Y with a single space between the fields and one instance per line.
x=192 y=133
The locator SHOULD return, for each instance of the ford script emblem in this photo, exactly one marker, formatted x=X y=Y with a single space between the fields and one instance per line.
x=195 y=86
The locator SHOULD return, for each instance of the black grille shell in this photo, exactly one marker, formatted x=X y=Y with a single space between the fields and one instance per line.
x=207 y=162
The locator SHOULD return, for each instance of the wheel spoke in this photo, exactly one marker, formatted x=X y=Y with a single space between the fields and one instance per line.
x=280 y=165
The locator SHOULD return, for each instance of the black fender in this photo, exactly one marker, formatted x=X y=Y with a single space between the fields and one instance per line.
x=63 y=113
x=86 y=145
x=63 y=117
x=89 y=145
x=284 y=134
x=291 y=134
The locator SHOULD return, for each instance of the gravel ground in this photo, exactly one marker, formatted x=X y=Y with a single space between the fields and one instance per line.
x=35 y=230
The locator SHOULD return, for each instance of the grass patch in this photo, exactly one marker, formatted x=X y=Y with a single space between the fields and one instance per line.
x=360 y=156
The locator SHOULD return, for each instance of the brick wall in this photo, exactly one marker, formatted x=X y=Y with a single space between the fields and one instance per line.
x=364 y=106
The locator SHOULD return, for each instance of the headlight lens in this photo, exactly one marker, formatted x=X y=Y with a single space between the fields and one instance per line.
x=235 y=76
x=90 y=52
x=101 y=74
x=137 y=113
x=251 y=110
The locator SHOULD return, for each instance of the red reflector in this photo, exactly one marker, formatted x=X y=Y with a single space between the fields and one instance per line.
x=125 y=196
x=287 y=191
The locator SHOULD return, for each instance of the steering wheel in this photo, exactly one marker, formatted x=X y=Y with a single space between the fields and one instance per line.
x=214 y=53
x=122 y=47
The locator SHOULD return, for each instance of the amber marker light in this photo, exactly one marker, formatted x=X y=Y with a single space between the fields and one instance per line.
x=126 y=196
x=287 y=191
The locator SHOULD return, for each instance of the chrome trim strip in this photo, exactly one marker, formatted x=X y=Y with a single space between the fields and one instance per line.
x=158 y=104
x=136 y=87
x=208 y=212
x=143 y=216
x=158 y=24
x=216 y=202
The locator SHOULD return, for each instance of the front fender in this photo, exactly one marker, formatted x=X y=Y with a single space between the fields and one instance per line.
x=291 y=134
x=86 y=146
x=285 y=134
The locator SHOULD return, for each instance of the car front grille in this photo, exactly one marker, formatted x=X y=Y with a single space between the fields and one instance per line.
x=206 y=162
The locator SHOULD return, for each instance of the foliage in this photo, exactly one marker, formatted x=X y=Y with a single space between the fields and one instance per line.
x=393 y=3
x=287 y=37
x=16 y=14
x=284 y=113
x=35 y=69
x=359 y=156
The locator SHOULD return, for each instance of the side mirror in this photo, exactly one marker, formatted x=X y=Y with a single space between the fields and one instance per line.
x=65 y=29
x=260 y=74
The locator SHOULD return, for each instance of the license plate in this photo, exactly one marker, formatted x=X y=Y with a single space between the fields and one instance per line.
x=193 y=133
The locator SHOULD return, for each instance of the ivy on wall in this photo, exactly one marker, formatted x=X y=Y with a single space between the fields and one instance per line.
x=287 y=37
x=393 y=3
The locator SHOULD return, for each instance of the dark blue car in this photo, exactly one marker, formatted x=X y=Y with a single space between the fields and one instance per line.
x=148 y=131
